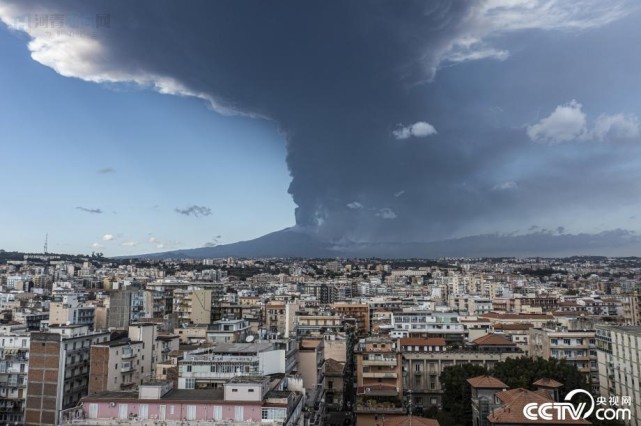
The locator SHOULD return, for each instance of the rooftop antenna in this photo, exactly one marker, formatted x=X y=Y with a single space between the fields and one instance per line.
x=46 y=240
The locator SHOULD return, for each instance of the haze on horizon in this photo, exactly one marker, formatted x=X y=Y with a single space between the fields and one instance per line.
x=149 y=126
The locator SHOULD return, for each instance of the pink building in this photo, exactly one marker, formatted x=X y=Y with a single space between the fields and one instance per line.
x=243 y=400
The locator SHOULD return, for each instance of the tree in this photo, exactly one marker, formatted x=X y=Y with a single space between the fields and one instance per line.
x=523 y=372
x=457 y=394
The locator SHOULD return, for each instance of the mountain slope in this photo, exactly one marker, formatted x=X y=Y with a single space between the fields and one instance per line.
x=291 y=242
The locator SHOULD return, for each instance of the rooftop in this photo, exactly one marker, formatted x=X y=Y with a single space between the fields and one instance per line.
x=487 y=382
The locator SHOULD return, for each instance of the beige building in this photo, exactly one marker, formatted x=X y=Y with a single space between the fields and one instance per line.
x=192 y=305
x=280 y=317
x=379 y=381
x=311 y=356
x=68 y=310
x=577 y=347
x=115 y=366
x=357 y=311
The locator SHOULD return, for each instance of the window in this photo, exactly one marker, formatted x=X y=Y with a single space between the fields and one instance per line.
x=234 y=390
x=191 y=412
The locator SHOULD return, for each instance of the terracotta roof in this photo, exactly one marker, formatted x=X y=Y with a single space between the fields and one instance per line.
x=547 y=383
x=523 y=326
x=570 y=313
x=495 y=315
x=487 y=382
x=334 y=367
x=493 y=340
x=421 y=341
x=512 y=411
x=416 y=421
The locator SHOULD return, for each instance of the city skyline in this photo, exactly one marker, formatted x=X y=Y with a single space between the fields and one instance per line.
x=130 y=129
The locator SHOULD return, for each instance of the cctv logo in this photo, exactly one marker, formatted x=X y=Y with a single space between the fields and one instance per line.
x=567 y=410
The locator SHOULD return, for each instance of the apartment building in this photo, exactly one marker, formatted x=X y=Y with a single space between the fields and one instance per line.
x=14 y=367
x=577 y=347
x=425 y=359
x=228 y=331
x=379 y=380
x=427 y=324
x=618 y=350
x=360 y=312
x=280 y=317
x=115 y=365
x=124 y=307
x=58 y=374
x=192 y=305
x=243 y=400
x=67 y=309
x=211 y=367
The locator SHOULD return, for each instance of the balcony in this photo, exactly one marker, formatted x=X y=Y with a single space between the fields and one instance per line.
x=380 y=375
x=385 y=362
x=379 y=405
x=127 y=368
x=128 y=354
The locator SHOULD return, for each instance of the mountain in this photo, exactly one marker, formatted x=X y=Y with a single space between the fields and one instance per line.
x=291 y=242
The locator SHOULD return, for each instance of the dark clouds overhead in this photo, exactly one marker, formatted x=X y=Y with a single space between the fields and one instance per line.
x=381 y=146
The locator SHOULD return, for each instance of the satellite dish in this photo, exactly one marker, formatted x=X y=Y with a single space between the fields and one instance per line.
x=249 y=339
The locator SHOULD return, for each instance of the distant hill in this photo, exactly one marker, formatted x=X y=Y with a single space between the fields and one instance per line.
x=291 y=242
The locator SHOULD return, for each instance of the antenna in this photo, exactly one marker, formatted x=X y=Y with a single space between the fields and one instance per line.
x=46 y=240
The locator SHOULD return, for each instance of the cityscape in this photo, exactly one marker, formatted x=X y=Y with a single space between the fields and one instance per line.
x=305 y=213
x=95 y=341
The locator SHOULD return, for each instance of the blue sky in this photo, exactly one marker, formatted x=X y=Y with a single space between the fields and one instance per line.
x=397 y=121
x=166 y=152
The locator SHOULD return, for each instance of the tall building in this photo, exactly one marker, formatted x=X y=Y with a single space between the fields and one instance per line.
x=358 y=311
x=193 y=305
x=125 y=306
x=379 y=381
x=115 y=365
x=577 y=347
x=618 y=349
x=58 y=374
x=69 y=310
x=14 y=366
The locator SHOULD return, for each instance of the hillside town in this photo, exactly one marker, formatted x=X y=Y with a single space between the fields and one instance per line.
x=96 y=341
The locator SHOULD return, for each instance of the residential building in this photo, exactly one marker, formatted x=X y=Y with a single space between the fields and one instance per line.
x=379 y=380
x=58 y=374
x=192 y=305
x=115 y=365
x=618 y=349
x=14 y=367
x=577 y=347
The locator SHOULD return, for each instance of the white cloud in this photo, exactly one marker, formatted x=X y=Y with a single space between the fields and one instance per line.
x=355 y=205
x=491 y=18
x=386 y=213
x=618 y=126
x=129 y=243
x=82 y=55
x=107 y=237
x=568 y=122
x=160 y=246
x=420 y=129
x=505 y=186
x=97 y=246
x=152 y=239
x=399 y=193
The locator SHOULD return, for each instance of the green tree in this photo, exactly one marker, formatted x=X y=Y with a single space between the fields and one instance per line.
x=523 y=372
x=457 y=393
